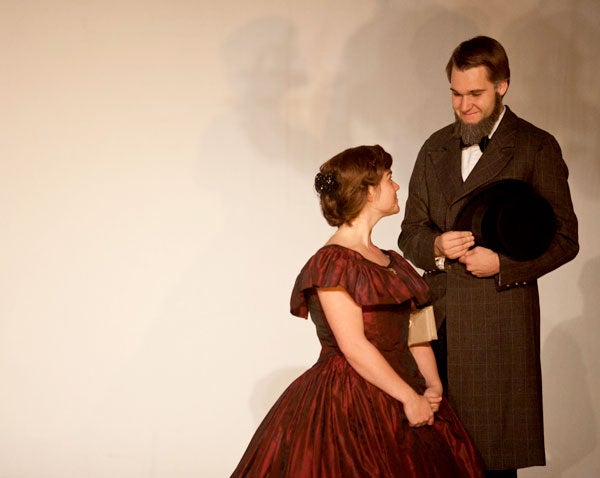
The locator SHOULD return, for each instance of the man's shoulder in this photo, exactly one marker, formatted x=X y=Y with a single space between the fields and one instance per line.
x=441 y=137
x=524 y=127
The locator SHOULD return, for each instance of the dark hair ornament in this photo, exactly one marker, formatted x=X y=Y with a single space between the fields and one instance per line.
x=326 y=183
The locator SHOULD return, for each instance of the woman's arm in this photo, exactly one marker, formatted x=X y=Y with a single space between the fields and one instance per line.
x=425 y=359
x=346 y=321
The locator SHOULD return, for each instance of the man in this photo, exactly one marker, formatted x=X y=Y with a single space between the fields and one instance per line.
x=486 y=303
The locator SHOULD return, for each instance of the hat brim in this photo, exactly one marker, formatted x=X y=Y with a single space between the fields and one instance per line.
x=509 y=217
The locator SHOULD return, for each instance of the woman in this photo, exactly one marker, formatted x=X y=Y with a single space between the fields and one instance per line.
x=371 y=406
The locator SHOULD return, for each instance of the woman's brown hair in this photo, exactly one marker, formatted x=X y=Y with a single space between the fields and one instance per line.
x=343 y=181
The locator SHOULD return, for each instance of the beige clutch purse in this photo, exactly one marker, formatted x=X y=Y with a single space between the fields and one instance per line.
x=421 y=327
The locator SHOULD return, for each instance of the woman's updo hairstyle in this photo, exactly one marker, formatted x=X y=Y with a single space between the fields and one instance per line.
x=343 y=181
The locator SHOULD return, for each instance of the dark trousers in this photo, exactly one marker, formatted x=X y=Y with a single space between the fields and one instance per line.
x=501 y=474
x=440 y=351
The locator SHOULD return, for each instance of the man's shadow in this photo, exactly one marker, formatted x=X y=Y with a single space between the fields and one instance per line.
x=555 y=84
x=391 y=79
x=570 y=381
x=264 y=68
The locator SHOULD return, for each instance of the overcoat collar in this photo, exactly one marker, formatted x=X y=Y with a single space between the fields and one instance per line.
x=446 y=160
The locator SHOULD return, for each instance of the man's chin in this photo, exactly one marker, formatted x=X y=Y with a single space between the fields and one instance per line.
x=472 y=121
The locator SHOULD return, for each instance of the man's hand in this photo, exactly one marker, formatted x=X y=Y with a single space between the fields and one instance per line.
x=453 y=244
x=481 y=262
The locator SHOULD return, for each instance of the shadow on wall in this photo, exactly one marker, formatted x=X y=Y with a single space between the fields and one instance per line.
x=568 y=392
x=391 y=86
x=377 y=96
x=263 y=67
x=557 y=76
x=268 y=389
x=246 y=157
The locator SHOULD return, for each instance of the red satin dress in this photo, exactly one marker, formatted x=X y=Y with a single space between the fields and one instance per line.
x=332 y=423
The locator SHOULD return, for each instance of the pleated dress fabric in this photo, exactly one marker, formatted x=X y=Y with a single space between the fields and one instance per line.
x=332 y=423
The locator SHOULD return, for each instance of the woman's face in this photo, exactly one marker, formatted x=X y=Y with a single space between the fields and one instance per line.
x=384 y=197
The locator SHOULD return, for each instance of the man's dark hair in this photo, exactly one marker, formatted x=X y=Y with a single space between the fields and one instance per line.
x=481 y=51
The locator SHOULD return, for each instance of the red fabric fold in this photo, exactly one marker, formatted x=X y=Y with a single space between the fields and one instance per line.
x=366 y=282
x=331 y=422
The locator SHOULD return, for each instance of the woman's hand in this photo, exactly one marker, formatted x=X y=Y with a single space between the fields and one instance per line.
x=434 y=397
x=418 y=411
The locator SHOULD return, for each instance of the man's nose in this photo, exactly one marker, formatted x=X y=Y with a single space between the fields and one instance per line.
x=465 y=103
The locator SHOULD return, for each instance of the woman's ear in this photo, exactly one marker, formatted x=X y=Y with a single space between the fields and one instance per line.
x=371 y=193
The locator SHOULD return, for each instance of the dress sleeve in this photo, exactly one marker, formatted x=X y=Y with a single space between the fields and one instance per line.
x=366 y=282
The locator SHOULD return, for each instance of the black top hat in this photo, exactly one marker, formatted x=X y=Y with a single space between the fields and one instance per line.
x=509 y=217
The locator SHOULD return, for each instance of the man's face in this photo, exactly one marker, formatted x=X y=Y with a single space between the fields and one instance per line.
x=473 y=94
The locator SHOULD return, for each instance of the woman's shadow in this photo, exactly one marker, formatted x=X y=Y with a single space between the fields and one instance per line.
x=269 y=389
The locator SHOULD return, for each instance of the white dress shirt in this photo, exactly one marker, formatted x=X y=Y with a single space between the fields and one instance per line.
x=471 y=154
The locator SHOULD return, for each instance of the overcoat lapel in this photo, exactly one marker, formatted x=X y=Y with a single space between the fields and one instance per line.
x=498 y=153
x=446 y=161
x=446 y=164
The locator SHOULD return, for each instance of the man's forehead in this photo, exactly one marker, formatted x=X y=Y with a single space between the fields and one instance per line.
x=475 y=78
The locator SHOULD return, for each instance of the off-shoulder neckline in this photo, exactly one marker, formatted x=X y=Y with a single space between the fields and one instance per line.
x=386 y=253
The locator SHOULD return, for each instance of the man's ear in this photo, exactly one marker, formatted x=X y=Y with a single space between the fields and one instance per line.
x=502 y=87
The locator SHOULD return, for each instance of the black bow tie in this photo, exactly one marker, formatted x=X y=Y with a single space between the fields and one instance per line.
x=483 y=143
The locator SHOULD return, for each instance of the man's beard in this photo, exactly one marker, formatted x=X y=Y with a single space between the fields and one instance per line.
x=472 y=133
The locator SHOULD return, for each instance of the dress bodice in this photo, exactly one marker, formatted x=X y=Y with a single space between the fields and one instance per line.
x=384 y=294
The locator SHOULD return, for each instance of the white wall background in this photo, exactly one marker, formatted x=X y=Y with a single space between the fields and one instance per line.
x=156 y=204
